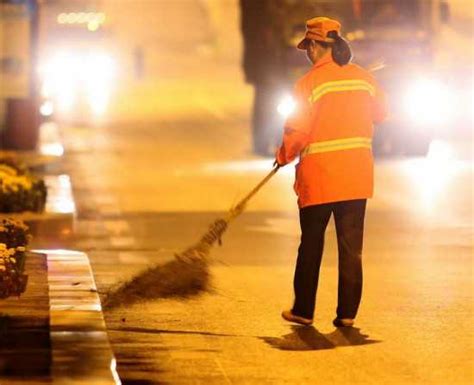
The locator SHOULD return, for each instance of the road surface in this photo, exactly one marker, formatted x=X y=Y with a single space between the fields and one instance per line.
x=146 y=190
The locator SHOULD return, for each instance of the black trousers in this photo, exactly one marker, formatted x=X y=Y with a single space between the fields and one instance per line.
x=349 y=218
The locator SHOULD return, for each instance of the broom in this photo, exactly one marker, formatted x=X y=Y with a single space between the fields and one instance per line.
x=187 y=274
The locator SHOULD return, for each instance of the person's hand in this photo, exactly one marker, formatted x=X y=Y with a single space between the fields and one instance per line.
x=276 y=164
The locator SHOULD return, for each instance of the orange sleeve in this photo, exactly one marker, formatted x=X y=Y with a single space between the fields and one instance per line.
x=297 y=127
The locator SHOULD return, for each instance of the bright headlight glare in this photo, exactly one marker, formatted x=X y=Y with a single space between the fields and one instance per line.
x=68 y=75
x=47 y=108
x=428 y=102
x=99 y=66
x=471 y=96
x=98 y=75
x=65 y=97
x=46 y=89
x=98 y=100
x=286 y=106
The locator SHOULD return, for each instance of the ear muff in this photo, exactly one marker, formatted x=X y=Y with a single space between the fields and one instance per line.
x=341 y=50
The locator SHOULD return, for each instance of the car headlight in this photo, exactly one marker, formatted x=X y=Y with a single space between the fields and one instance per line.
x=428 y=102
x=70 y=74
x=47 y=108
x=286 y=106
x=98 y=75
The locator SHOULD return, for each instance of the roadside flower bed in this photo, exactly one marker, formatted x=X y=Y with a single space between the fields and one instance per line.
x=14 y=239
x=19 y=189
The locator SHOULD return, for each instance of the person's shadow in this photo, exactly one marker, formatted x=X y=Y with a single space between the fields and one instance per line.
x=309 y=338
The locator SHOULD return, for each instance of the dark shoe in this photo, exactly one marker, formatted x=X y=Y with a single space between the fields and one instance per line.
x=290 y=317
x=343 y=322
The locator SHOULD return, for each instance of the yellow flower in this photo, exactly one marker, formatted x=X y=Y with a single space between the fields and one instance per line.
x=7 y=170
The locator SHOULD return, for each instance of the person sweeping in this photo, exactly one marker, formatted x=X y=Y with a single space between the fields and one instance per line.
x=331 y=130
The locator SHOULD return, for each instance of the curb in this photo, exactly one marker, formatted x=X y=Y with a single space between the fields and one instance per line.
x=81 y=351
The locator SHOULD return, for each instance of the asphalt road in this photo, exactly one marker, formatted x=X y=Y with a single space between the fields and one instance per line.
x=146 y=190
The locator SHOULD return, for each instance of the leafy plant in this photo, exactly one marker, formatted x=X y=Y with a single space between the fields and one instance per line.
x=19 y=189
x=14 y=238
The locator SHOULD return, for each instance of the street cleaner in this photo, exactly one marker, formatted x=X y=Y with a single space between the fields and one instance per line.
x=331 y=130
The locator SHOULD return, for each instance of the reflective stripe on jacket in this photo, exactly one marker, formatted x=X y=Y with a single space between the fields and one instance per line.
x=331 y=130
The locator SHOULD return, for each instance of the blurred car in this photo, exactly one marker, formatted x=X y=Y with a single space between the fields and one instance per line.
x=75 y=82
x=76 y=67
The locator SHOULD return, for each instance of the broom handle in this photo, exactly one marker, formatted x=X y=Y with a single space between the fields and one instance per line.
x=257 y=188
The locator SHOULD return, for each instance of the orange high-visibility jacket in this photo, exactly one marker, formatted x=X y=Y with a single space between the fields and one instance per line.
x=331 y=130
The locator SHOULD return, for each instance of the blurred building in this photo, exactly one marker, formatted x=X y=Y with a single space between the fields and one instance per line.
x=18 y=32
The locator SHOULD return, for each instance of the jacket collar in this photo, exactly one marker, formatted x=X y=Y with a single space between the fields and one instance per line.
x=324 y=60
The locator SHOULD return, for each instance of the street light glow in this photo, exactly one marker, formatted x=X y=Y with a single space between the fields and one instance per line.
x=93 y=20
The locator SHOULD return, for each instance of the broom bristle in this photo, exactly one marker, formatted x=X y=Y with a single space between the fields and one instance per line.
x=177 y=278
x=188 y=274
x=185 y=276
